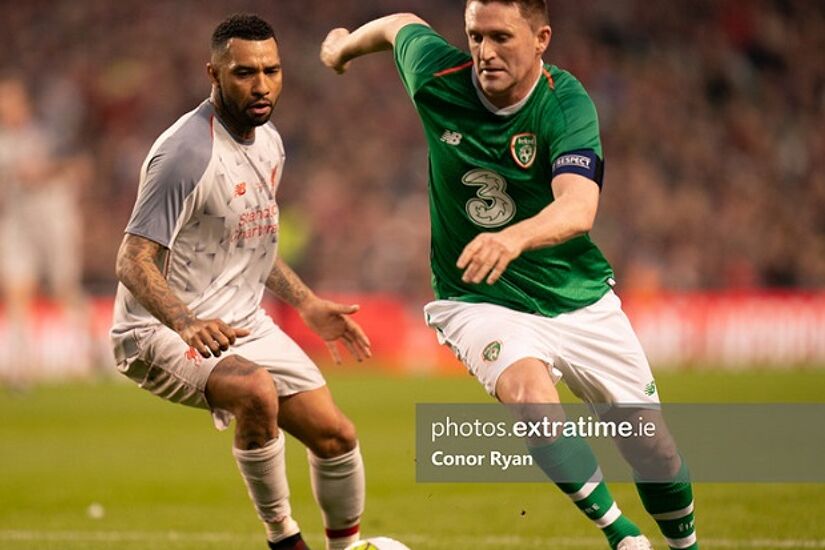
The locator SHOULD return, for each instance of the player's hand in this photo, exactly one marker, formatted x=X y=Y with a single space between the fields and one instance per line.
x=210 y=337
x=332 y=48
x=488 y=255
x=331 y=322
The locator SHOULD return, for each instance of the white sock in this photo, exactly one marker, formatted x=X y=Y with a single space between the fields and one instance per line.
x=338 y=486
x=264 y=472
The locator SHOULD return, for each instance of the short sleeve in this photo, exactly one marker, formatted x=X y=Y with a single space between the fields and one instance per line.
x=420 y=53
x=576 y=146
x=175 y=165
x=170 y=177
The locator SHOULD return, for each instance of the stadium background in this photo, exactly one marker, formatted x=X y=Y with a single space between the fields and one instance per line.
x=713 y=118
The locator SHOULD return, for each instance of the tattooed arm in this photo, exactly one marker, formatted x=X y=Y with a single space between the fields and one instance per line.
x=138 y=269
x=286 y=285
x=327 y=319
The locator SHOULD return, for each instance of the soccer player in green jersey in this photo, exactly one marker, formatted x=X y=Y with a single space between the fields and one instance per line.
x=524 y=297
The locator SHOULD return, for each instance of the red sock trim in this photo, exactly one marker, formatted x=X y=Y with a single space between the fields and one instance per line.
x=341 y=533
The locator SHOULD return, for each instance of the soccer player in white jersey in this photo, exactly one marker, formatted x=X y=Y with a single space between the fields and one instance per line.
x=199 y=251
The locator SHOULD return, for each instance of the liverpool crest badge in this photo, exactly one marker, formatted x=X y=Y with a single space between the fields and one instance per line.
x=523 y=149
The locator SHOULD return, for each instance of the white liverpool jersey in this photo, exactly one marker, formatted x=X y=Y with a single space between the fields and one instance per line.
x=210 y=200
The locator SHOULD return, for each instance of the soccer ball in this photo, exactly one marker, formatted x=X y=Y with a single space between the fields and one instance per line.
x=377 y=543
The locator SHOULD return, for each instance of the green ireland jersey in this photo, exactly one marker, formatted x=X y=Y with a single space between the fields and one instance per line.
x=490 y=169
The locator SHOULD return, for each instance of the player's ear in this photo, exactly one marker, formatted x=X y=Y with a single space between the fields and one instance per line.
x=543 y=36
x=212 y=72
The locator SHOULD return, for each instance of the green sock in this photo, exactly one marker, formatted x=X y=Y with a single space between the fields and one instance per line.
x=570 y=463
x=671 y=505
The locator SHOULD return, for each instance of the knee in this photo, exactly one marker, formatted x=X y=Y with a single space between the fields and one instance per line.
x=525 y=395
x=336 y=439
x=526 y=381
x=528 y=401
x=243 y=388
x=259 y=397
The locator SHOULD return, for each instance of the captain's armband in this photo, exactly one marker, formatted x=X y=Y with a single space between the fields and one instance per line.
x=584 y=162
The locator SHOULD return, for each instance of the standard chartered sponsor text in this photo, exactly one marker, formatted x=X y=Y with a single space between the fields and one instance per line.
x=540 y=428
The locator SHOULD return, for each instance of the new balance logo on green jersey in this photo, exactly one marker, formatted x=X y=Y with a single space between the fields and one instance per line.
x=451 y=138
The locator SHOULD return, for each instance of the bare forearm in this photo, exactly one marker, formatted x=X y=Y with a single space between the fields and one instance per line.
x=572 y=214
x=137 y=269
x=341 y=46
x=284 y=283
x=367 y=39
x=556 y=224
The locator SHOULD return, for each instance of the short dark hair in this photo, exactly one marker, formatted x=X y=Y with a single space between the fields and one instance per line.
x=241 y=25
x=534 y=11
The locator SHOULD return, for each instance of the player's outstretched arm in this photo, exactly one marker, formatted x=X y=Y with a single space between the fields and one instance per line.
x=330 y=320
x=137 y=268
x=342 y=46
x=571 y=214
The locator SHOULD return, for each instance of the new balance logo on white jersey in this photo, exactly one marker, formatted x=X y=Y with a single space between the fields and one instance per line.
x=451 y=138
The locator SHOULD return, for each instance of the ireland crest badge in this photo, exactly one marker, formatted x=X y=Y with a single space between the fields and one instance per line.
x=523 y=149
x=491 y=351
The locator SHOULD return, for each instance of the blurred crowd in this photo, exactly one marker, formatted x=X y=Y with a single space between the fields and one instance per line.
x=712 y=115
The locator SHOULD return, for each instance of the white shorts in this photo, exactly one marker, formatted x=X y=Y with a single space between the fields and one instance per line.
x=594 y=348
x=161 y=362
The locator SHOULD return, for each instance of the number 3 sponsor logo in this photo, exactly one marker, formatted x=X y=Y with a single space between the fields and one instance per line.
x=492 y=207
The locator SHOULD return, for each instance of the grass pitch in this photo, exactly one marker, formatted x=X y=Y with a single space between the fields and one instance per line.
x=105 y=465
